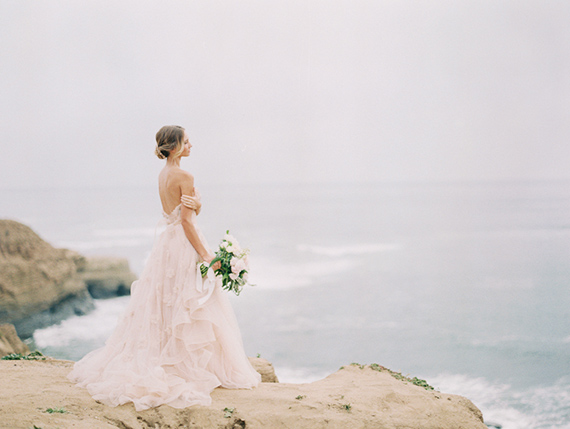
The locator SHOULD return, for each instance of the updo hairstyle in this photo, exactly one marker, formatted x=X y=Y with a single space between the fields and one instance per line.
x=169 y=141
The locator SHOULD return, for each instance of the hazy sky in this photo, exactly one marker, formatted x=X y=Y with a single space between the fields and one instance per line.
x=285 y=90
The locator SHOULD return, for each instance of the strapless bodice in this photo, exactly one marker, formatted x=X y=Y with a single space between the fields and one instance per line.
x=174 y=216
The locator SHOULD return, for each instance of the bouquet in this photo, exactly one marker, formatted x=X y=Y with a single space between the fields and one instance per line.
x=234 y=264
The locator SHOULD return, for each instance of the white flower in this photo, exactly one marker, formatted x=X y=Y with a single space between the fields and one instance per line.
x=230 y=238
x=230 y=249
x=234 y=276
x=238 y=267
x=245 y=276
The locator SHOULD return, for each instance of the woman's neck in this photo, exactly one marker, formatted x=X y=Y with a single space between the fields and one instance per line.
x=173 y=162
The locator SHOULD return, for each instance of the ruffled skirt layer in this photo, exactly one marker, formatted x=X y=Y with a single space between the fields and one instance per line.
x=176 y=341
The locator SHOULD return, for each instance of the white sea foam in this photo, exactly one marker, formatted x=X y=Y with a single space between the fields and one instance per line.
x=103 y=244
x=272 y=274
x=505 y=339
x=538 y=408
x=332 y=323
x=298 y=375
x=125 y=232
x=96 y=325
x=337 y=251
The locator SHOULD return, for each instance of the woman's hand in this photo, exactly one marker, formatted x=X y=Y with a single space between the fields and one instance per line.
x=209 y=258
x=193 y=203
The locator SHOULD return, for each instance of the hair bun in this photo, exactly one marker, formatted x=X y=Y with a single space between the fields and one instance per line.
x=159 y=153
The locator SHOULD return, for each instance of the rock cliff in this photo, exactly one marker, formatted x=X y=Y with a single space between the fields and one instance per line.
x=353 y=397
x=41 y=285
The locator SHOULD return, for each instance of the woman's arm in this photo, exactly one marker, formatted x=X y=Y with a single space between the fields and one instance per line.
x=187 y=188
x=193 y=203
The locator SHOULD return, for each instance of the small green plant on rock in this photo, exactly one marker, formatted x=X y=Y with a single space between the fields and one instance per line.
x=228 y=412
x=37 y=355
x=59 y=410
x=422 y=383
x=299 y=397
x=347 y=407
x=398 y=376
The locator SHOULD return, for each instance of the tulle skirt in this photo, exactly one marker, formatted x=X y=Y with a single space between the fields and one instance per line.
x=177 y=340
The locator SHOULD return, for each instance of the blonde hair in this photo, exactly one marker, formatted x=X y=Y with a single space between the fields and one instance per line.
x=169 y=141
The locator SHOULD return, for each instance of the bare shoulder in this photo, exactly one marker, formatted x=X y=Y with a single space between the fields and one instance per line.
x=182 y=176
x=185 y=181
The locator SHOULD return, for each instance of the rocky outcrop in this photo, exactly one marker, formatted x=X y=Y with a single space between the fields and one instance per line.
x=39 y=284
x=265 y=368
x=353 y=397
x=107 y=277
x=10 y=342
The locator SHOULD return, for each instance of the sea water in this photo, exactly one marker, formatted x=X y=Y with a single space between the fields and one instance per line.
x=462 y=284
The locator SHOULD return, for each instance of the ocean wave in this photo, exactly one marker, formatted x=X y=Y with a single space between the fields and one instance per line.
x=514 y=340
x=125 y=232
x=96 y=326
x=273 y=274
x=102 y=244
x=333 y=323
x=540 y=407
x=298 y=375
x=505 y=339
x=357 y=249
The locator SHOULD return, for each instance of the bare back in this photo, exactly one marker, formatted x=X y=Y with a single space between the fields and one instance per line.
x=173 y=182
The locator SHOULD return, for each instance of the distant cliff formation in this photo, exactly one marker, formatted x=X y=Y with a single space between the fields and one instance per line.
x=41 y=285
x=107 y=277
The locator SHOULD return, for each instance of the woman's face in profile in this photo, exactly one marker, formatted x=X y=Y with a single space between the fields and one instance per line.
x=187 y=145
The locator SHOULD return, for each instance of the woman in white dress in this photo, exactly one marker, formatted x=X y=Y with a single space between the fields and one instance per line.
x=178 y=338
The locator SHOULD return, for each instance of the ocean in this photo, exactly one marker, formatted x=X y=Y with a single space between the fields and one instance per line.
x=465 y=285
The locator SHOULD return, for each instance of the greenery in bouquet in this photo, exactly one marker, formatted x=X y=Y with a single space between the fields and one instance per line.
x=234 y=264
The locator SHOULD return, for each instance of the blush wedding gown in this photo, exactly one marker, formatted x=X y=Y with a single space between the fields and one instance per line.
x=177 y=340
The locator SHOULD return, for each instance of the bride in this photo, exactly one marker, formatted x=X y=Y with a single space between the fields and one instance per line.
x=178 y=338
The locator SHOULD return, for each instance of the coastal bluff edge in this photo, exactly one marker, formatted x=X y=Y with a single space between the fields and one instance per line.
x=355 y=396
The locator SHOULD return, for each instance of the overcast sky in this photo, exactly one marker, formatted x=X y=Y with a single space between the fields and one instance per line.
x=274 y=91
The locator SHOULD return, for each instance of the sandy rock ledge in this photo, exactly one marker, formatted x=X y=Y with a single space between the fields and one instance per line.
x=10 y=342
x=353 y=397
